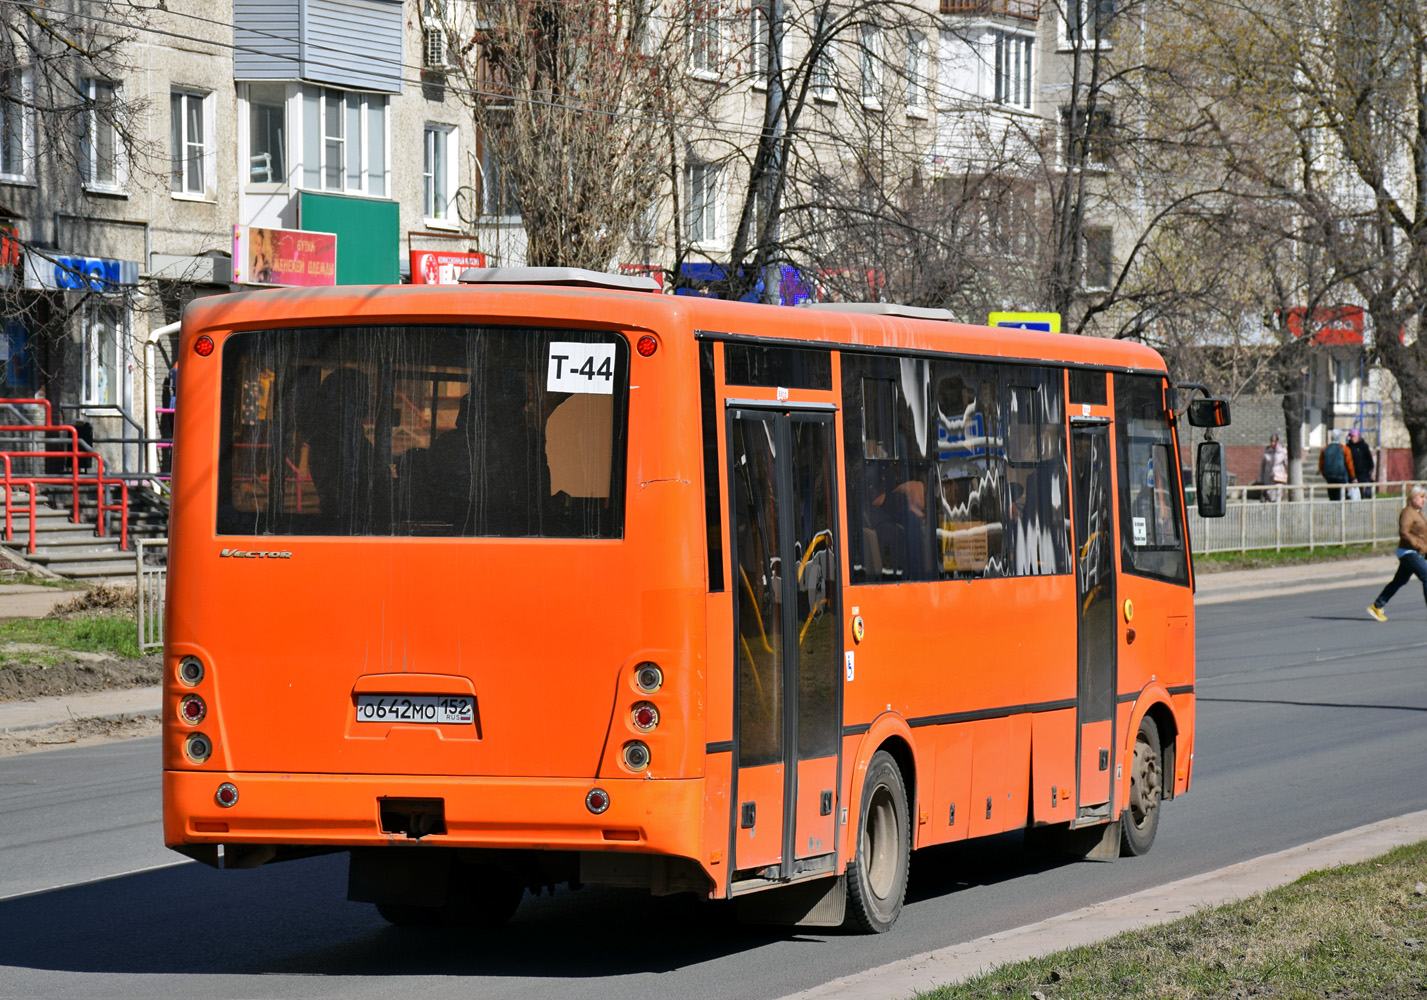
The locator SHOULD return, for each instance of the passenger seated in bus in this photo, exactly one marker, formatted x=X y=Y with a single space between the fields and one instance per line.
x=448 y=471
x=353 y=499
x=899 y=520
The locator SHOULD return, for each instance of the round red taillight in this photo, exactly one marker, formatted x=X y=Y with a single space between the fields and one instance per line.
x=597 y=801
x=645 y=716
x=192 y=710
x=646 y=345
x=227 y=795
x=203 y=346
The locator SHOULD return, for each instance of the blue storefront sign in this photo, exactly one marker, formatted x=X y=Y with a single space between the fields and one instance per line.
x=706 y=279
x=71 y=271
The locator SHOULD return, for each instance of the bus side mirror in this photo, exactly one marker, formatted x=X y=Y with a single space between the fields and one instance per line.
x=1209 y=413
x=1209 y=479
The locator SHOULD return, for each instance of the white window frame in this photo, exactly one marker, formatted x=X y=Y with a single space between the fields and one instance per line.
x=916 y=70
x=367 y=172
x=98 y=378
x=703 y=204
x=758 y=43
x=705 y=38
x=442 y=139
x=20 y=115
x=96 y=125
x=207 y=182
x=869 y=65
x=1013 y=69
x=279 y=179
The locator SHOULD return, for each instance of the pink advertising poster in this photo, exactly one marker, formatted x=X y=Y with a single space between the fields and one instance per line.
x=283 y=257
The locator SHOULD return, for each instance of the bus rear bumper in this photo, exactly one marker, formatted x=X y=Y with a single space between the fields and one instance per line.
x=346 y=810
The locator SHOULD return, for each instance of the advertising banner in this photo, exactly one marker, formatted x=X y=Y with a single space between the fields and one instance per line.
x=442 y=267
x=283 y=257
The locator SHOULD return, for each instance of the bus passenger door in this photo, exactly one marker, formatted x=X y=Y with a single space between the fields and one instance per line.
x=1091 y=463
x=788 y=680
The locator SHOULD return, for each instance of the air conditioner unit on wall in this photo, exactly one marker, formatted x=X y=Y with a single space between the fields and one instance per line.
x=433 y=48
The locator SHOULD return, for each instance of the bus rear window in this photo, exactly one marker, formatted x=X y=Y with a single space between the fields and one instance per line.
x=510 y=432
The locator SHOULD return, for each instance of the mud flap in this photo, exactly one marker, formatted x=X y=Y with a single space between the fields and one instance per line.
x=1093 y=843
x=819 y=902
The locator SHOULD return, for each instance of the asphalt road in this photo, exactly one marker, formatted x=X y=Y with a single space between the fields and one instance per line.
x=1310 y=722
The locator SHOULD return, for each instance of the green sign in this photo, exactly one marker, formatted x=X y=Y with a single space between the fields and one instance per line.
x=368 y=235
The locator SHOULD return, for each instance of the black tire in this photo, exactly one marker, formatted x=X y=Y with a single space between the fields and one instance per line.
x=1140 y=819
x=479 y=896
x=877 y=877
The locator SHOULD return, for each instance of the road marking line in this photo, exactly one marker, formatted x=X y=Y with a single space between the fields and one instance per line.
x=1104 y=920
x=100 y=878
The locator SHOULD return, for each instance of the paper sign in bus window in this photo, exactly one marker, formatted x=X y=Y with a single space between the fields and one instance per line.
x=1141 y=529
x=585 y=368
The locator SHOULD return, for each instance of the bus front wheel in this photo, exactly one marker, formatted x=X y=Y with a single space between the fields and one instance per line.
x=877 y=877
x=1140 y=820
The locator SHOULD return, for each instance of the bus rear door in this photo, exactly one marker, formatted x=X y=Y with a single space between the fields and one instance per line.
x=788 y=683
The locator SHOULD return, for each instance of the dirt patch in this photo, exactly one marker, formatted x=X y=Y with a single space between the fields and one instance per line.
x=70 y=676
x=98 y=598
x=78 y=732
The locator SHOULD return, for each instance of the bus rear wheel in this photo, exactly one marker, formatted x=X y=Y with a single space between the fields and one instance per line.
x=1140 y=820
x=877 y=877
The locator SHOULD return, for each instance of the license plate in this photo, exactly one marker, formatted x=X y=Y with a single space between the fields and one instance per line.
x=434 y=708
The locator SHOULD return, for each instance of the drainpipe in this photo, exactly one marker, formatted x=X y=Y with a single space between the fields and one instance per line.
x=151 y=391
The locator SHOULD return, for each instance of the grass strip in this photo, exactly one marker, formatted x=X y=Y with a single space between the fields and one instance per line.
x=1220 y=562
x=114 y=634
x=1355 y=931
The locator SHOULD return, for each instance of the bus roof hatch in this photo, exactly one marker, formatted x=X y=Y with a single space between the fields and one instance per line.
x=573 y=276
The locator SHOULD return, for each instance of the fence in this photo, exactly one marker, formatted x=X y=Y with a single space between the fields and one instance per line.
x=151 y=582
x=1310 y=522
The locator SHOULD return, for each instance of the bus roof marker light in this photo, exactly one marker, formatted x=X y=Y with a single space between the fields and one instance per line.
x=597 y=801
x=227 y=795
x=203 y=346
x=646 y=346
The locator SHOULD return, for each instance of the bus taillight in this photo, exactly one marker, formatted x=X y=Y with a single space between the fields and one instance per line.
x=597 y=801
x=646 y=346
x=645 y=716
x=227 y=795
x=192 y=709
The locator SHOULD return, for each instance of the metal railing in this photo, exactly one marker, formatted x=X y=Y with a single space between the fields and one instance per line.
x=151 y=583
x=1312 y=520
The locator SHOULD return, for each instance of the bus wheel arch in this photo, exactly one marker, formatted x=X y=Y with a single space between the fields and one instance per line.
x=1163 y=717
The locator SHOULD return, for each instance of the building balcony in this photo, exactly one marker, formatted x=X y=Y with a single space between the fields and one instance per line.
x=1026 y=10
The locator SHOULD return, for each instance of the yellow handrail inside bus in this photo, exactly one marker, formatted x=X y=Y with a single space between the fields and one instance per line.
x=753 y=603
x=753 y=665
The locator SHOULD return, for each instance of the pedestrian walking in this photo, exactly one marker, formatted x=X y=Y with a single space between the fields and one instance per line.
x=1335 y=464
x=1361 y=453
x=1411 y=547
x=1273 y=470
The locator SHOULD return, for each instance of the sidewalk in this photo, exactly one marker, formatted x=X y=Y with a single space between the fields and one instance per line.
x=1216 y=588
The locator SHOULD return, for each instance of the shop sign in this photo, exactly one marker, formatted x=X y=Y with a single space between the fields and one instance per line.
x=442 y=267
x=70 y=271
x=1331 y=324
x=292 y=257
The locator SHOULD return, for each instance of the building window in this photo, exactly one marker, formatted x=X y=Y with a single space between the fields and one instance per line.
x=1013 y=69
x=499 y=196
x=870 y=66
x=1088 y=20
x=267 y=132
x=758 y=42
x=101 y=152
x=17 y=124
x=701 y=202
x=1088 y=143
x=916 y=72
x=188 y=142
x=703 y=36
x=824 y=70
x=1099 y=267
x=344 y=141
x=438 y=173
x=104 y=344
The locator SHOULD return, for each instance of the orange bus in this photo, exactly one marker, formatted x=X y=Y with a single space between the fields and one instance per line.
x=568 y=582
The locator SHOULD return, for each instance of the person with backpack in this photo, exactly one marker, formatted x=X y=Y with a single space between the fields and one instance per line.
x=1335 y=464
